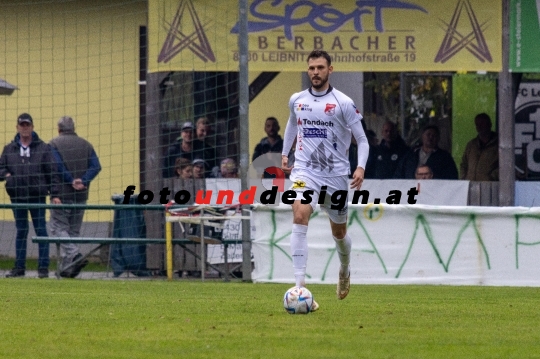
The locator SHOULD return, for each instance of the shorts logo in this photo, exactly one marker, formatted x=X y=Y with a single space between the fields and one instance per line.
x=330 y=109
x=298 y=184
x=311 y=132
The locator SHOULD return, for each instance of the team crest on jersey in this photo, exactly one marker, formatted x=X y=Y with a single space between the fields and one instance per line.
x=330 y=109
x=302 y=107
x=298 y=184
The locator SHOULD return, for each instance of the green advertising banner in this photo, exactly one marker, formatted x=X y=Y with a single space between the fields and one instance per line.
x=524 y=35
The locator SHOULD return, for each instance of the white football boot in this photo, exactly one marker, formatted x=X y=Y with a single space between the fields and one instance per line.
x=343 y=286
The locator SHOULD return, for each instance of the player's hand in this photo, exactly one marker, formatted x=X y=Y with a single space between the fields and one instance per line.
x=358 y=178
x=285 y=164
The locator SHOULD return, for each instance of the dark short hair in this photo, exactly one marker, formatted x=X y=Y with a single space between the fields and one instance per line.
x=315 y=54
x=483 y=116
x=180 y=163
x=424 y=165
x=432 y=127
x=272 y=118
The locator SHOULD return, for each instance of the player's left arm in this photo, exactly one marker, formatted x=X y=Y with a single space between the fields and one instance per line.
x=354 y=121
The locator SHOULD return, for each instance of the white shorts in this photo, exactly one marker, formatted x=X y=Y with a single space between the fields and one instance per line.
x=309 y=188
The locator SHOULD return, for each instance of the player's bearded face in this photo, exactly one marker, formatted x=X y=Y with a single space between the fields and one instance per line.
x=318 y=72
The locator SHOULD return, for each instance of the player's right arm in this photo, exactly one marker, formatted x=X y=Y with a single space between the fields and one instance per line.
x=291 y=131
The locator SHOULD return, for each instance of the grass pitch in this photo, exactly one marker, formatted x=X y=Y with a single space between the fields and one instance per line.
x=188 y=319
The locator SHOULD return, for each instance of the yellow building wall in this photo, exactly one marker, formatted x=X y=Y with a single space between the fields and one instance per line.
x=272 y=101
x=81 y=59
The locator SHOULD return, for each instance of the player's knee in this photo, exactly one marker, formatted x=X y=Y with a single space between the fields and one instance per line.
x=339 y=231
x=339 y=234
x=299 y=218
x=301 y=213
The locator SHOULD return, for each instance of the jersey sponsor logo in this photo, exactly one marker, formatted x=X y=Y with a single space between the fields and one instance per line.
x=330 y=109
x=302 y=107
x=298 y=184
x=356 y=110
x=311 y=132
x=318 y=123
x=299 y=122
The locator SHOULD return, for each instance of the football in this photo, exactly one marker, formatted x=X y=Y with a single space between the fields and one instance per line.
x=298 y=300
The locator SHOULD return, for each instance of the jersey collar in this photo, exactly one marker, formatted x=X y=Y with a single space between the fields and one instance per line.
x=330 y=88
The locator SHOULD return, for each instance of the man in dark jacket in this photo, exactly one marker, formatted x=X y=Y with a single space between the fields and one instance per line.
x=27 y=167
x=440 y=161
x=77 y=165
x=272 y=142
x=389 y=152
x=190 y=148
x=480 y=161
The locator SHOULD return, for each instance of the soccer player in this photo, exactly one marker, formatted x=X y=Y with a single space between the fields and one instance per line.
x=322 y=120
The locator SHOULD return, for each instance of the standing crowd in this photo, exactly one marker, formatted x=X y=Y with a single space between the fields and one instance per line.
x=34 y=170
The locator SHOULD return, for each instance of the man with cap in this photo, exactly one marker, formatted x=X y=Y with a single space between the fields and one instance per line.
x=199 y=168
x=27 y=166
x=188 y=147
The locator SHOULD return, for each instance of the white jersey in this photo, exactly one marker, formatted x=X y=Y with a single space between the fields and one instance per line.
x=323 y=124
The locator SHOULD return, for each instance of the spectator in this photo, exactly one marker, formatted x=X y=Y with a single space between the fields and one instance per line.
x=26 y=165
x=389 y=152
x=186 y=147
x=183 y=168
x=480 y=161
x=440 y=161
x=184 y=172
x=199 y=168
x=204 y=133
x=227 y=169
x=203 y=129
x=423 y=172
x=272 y=142
x=78 y=165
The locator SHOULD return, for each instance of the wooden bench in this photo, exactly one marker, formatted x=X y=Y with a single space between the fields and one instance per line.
x=104 y=241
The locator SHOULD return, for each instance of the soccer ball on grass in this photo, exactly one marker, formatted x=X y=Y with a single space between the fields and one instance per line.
x=298 y=300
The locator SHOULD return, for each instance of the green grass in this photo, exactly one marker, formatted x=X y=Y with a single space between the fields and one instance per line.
x=189 y=319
